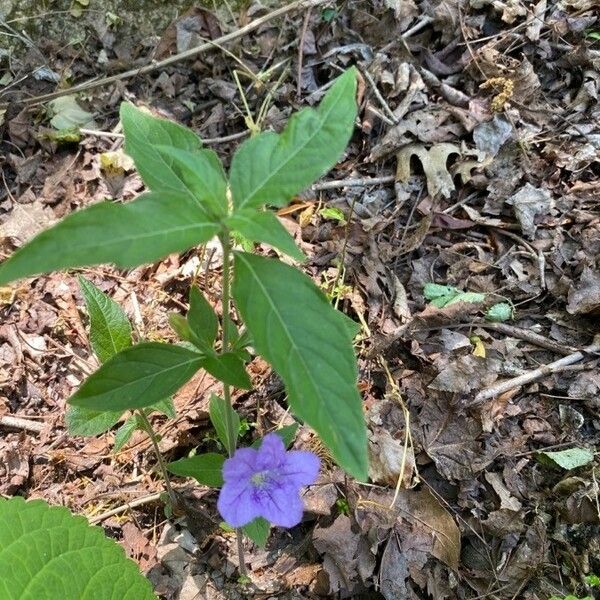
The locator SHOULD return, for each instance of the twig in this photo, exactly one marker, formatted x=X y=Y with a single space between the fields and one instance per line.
x=120 y=136
x=301 y=52
x=539 y=373
x=124 y=508
x=155 y=66
x=541 y=259
x=352 y=182
x=382 y=101
x=529 y=336
x=18 y=423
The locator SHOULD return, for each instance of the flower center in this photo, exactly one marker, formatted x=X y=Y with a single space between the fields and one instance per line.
x=259 y=479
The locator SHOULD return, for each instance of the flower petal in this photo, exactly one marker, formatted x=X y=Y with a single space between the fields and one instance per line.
x=237 y=504
x=242 y=465
x=281 y=505
x=271 y=453
x=300 y=468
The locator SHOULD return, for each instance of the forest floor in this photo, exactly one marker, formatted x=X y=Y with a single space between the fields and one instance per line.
x=474 y=165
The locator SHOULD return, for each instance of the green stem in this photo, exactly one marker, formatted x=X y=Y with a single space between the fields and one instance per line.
x=232 y=433
x=161 y=463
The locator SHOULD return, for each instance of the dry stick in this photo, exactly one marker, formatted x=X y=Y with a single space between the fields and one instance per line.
x=18 y=423
x=353 y=182
x=301 y=52
x=154 y=66
x=124 y=508
x=529 y=336
x=543 y=371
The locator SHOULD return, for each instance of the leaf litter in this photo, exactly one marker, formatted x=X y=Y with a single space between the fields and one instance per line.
x=483 y=116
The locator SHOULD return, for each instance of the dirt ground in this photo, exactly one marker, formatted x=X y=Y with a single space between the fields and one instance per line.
x=474 y=165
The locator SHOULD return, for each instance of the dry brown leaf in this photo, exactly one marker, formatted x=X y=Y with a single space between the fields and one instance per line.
x=434 y=161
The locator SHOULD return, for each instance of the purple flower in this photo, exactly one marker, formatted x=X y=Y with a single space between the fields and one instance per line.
x=266 y=483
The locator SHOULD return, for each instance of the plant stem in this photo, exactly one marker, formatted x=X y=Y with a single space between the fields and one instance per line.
x=232 y=433
x=161 y=463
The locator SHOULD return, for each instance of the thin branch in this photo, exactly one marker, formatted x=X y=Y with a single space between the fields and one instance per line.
x=19 y=423
x=155 y=66
x=124 y=508
x=529 y=336
x=352 y=182
x=531 y=376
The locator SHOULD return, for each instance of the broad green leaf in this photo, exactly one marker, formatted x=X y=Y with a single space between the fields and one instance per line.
x=352 y=326
x=128 y=235
x=85 y=422
x=46 y=553
x=568 y=459
x=258 y=531
x=307 y=342
x=180 y=326
x=202 y=319
x=264 y=226
x=206 y=469
x=166 y=407
x=124 y=433
x=110 y=330
x=143 y=134
x=287 y=433
x=227 y=368
x=444 y=295
x=218 y=410
x=435 y=290
x=472 y=297
x=138 y=376
x=202 y=174
x=271 y=168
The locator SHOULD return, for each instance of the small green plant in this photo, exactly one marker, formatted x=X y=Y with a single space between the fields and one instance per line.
x=591 y=581
x=286 y=318
x=46 y=553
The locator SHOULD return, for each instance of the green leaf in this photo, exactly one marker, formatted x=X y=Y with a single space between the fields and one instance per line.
x=206 y=469
x=85 y=422
x=124 y=433
x=46 y=553
x=472 y=297
x=264 y=226
x=128 y=235
x=592 y=580
x=258 y=531
x=165 y=406
x=218 y=410
x=202 y=175
x=434 y=290
x=568 y=459
x=110 y=330
x=333 y=213
x=138 y=376
x=180 y=326
x=202 y=320
x=271 y=168
x=500 y=312
x=287 y=433
x=443 y=295
x=144 y=133
x=306 y=340
x=227 y=368
x=352 y=326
